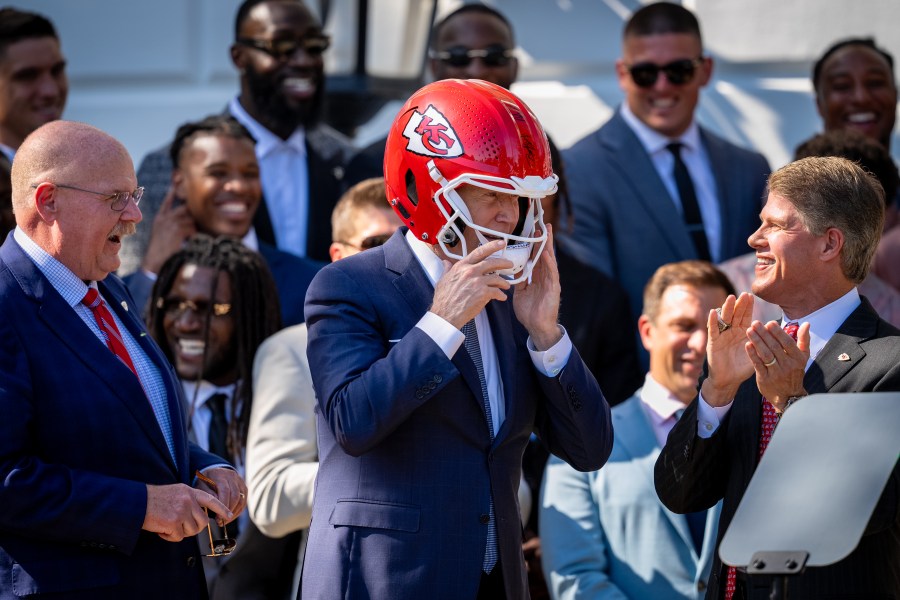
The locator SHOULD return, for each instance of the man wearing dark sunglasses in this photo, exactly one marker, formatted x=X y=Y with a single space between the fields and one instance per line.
x=651 y=186
x=474 y=41
x=279 y=51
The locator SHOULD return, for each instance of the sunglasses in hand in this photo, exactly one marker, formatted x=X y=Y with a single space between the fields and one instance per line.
x=217 y=546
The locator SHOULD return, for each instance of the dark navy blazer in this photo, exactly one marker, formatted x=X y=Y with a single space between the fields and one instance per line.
x=78 y=444
x=406 y=464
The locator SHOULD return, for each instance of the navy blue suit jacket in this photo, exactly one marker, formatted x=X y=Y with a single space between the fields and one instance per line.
x=627 y=225
x=406 y=464
x=78 y=444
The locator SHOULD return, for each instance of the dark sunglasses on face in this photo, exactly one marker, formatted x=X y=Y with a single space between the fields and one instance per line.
x=280 y=50
x=459 y=56
x=678 y=72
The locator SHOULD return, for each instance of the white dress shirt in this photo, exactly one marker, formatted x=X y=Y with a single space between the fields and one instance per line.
x=697 y=162
x=449 y=338
x=823 y=324
x=284 y=175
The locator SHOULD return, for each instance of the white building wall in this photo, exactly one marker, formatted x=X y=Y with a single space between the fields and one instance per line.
x=140 y=68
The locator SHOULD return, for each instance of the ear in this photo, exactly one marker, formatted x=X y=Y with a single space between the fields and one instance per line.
x=238 y=57
x=644 y=327
x=833 y=243
x=622 y=73
x=706 y=70
x=178 y=183
x=46 y=202
x=335 y=251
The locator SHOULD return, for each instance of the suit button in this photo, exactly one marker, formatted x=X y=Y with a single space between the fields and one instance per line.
x=485 y=519
x=191 y=561
x=437 y=379
x=701 y=585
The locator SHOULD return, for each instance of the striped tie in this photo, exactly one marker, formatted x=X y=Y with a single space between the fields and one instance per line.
x=108 y=328
x=474 y=350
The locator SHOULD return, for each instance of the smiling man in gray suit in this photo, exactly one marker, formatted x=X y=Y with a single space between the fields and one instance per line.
x=652 y=187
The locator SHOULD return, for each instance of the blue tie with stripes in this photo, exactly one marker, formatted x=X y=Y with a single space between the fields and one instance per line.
x=474 y=350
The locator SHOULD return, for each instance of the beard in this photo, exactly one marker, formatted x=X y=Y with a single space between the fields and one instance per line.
x=272 y=105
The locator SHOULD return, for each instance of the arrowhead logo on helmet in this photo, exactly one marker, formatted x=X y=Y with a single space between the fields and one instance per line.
x=430 y=134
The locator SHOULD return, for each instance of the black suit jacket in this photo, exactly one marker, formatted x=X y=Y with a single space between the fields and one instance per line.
x=694 y=473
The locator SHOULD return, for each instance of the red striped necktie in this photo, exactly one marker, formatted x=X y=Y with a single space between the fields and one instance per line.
x=769 y=420
x=108 y=327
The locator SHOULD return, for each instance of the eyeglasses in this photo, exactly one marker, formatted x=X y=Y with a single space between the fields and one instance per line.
x=119 y=199
x=225 y=545
x=174 y=307
x=373 y=241
x=678 y=72
x=459 y=56
x=281 y=50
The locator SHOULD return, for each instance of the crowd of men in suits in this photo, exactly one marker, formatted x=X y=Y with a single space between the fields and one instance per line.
x=150 y=369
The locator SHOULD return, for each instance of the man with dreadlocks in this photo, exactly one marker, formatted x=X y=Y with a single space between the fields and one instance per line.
x=213 y=303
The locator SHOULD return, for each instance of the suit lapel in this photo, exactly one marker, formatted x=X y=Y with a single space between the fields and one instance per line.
x=135 y=327
x=635 y=435
x=631 y=158
x=414 y=286
x=826 y=370
x=720 y=167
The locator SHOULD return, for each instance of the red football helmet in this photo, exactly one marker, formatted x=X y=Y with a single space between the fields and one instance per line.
x=454 y=132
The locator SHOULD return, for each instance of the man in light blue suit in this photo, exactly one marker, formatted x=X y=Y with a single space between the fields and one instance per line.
x=434 y=358
x=606 y=534
x=650 y=186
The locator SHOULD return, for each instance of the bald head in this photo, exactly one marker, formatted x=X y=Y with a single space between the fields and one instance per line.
x=62 y=152
x=64 y=178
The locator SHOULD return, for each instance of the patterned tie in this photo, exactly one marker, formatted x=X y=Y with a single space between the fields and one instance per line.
x=689 y=206
x=108 y=328
x=218 y=425
x=472 y=347
x=769 y=420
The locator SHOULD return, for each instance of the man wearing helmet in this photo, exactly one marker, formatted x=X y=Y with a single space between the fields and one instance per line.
x=435 y=357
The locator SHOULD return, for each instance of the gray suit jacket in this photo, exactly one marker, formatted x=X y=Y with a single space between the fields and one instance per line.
x=606 y=534
x=692 y=473
x=627 y=225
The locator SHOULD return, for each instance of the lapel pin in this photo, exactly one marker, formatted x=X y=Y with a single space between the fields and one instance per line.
x=125 y=305
x=844 y=357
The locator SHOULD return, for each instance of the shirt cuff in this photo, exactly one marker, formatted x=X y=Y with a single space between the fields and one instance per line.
x=553 y=360
x=446 y=336
x=710 y=417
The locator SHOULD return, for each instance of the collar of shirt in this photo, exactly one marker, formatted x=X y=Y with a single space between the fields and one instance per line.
x=652 y=140
x=266 y=141
x=205 y=390
x=660 y=406
x=64 y=281
x=250 y=240
x=423 y=252
x=824 y=322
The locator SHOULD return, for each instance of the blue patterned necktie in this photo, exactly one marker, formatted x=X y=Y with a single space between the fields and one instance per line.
x=472 y=347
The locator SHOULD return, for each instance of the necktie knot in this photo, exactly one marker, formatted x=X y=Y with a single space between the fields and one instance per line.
x=675 y=148
x=91 y=299
x=791 y=329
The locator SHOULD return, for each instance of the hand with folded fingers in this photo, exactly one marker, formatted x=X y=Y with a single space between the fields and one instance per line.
x=728 y=364
x=778 y=360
